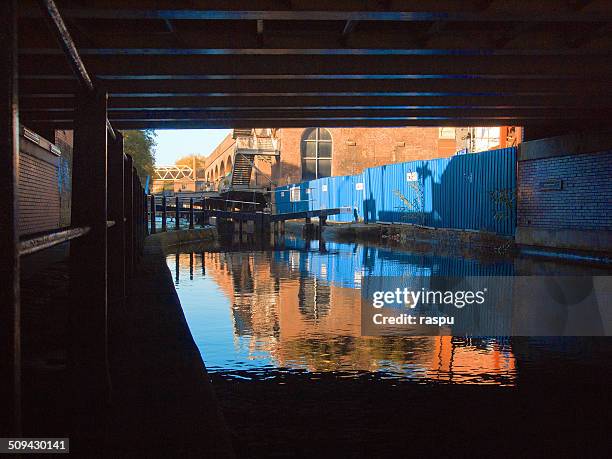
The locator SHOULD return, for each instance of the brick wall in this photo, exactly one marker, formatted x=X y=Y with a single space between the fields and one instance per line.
x=564 y=193
x=355 y=149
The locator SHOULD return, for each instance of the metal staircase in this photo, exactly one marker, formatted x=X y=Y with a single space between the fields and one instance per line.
x=249 y=144
x=242 y=170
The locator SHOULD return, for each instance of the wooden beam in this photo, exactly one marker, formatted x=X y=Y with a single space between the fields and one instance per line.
x=10 y=307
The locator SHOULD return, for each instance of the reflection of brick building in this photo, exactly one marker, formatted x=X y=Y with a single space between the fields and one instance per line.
x=312 y=153
x=304 y=322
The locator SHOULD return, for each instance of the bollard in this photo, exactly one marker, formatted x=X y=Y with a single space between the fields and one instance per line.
x=164 y=213
x=177 y=213
x=191 y=213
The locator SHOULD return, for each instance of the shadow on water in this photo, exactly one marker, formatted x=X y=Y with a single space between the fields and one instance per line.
x=278 y=325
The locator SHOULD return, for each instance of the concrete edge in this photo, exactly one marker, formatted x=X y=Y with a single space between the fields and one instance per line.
x=163 y=241
x=155 y=250
x=568 y=239
x=572 y=144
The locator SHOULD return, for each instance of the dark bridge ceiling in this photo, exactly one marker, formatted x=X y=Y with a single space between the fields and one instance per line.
x=248 y=63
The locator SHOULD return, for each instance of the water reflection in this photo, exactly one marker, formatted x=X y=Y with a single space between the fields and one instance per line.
x=297 y=308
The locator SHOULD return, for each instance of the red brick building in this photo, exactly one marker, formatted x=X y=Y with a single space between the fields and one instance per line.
x=316 y=152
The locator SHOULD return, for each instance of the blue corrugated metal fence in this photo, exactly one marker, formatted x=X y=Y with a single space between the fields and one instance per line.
x=472 y=191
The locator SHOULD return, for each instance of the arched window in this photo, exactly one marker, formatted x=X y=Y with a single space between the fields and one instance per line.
x=216 y=172
x=222 y=169
x=316 y=154
x=229 y=164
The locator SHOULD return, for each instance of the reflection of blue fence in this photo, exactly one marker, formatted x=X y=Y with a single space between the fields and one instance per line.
x=475 y=191
x=344 y=264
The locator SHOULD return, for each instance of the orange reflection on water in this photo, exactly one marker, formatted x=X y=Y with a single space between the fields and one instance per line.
x=302 y=322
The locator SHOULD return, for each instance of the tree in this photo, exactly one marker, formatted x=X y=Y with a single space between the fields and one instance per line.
x=140 y=146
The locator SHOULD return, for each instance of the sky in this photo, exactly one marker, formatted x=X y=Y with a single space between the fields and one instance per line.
x=174 y=144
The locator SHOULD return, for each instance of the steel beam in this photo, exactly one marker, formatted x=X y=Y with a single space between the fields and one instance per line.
x=495 y=49
x=88 y=259
x=237 y=103
x=581 y=66
x=59 y=29
x=317 y=85
x=116 y=212
x=10 y=309
x=331 y=11
x=129 y=199
x=327 y=122
x=345 y=112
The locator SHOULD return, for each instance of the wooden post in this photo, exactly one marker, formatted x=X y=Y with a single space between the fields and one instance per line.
x=90 y=388
x=153 y=216
x=177 y=213
x=205 y=213
x=129 y=211
x=191 y=215
x=10 y=312
x=164 y=214
x=116 y=213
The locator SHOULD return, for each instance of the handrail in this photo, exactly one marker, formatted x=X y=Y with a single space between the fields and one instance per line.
x=45 y=241
x=256 y=168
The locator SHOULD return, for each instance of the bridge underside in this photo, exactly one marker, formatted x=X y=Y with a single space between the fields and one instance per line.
x=281 y=63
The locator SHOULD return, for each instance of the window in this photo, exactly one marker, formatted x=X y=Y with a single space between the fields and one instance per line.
x=316 y=154
x=447 y=133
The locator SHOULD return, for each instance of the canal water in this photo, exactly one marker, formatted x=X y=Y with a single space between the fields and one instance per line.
x=295 y=308
x=279 y=331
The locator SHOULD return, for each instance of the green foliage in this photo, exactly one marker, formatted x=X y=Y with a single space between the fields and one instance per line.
x=140 y=145
x=503 y=199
